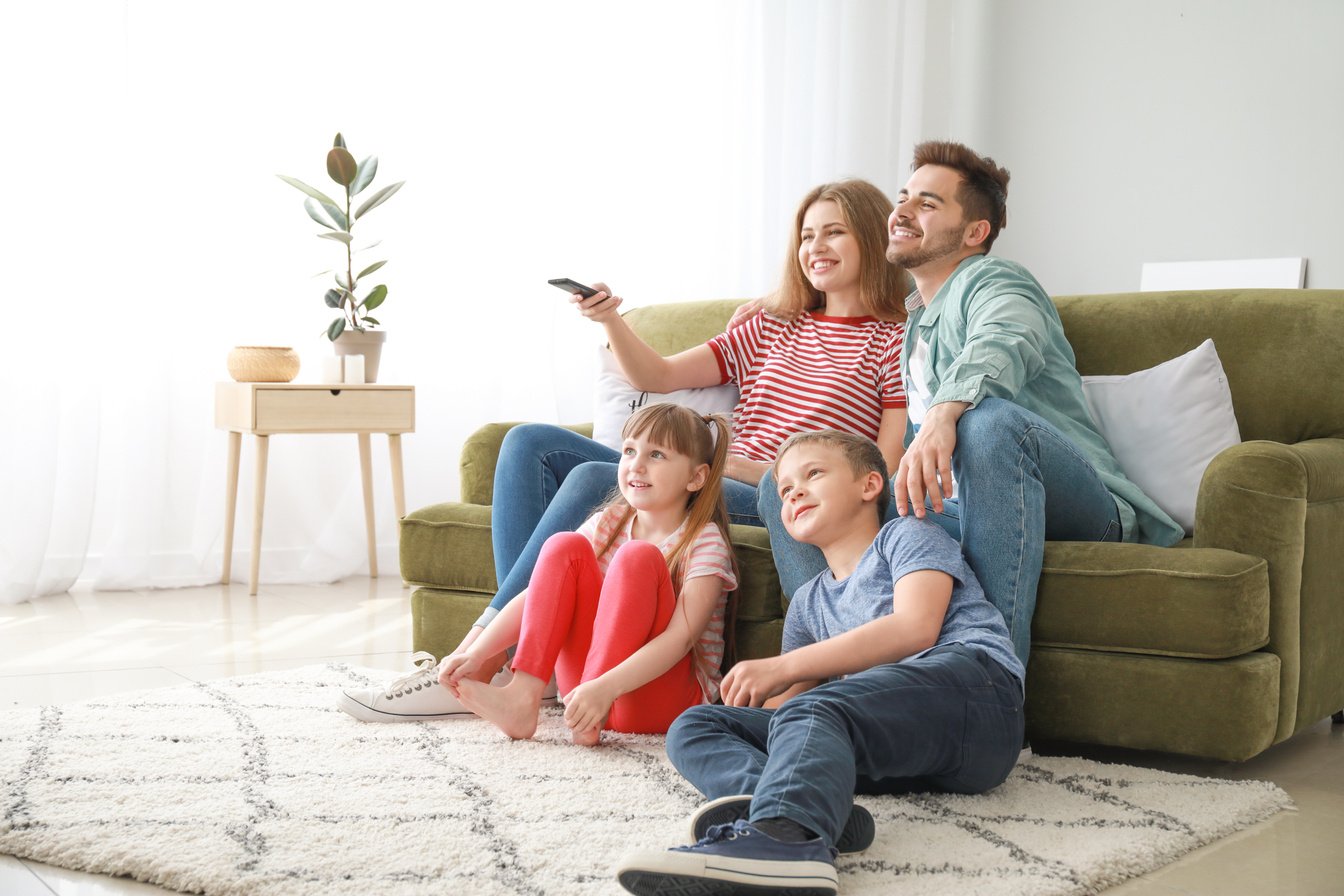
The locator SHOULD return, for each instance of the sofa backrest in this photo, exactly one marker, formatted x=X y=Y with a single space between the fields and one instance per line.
x=1283 y=349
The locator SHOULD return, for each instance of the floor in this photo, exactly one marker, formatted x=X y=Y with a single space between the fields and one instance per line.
x=84 y=644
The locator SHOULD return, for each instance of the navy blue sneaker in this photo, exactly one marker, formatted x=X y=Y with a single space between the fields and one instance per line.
x=858 y=834
x=732 y=858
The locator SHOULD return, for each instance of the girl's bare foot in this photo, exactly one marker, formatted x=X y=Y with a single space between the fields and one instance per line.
x=588 y=737
x=513 y=708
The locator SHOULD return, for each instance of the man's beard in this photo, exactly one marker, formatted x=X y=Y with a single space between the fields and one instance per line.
x=944 y=244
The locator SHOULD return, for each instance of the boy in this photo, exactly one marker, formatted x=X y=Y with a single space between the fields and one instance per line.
x=896 y=676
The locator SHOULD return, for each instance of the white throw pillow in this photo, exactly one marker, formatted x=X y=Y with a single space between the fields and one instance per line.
x=1166 y=423
x=617 y=400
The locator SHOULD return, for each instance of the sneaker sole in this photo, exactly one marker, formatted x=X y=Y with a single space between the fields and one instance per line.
x=680 y=874
x=369 y=714
x=857 y=835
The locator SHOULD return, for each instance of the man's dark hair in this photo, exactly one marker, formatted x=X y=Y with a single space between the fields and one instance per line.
x=984 y=184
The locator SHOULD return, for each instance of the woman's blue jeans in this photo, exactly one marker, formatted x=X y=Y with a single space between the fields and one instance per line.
x=550 y=479
x=950 y=720
x=1020 y=482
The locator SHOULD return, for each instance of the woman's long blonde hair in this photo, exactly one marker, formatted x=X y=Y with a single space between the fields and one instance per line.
x=882 y=285
x=704 y=439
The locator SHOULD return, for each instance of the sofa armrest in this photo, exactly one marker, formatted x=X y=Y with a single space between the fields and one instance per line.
x=480 y=453
x=1265 y=499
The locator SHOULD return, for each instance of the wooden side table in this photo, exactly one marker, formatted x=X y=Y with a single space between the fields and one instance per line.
x=264 y=409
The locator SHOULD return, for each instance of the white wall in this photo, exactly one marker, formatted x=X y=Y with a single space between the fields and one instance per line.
x=1166 y=130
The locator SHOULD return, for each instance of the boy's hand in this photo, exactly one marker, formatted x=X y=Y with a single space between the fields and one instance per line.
x=752 y=682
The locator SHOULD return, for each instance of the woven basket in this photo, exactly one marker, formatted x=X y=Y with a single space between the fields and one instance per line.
x=263 y=364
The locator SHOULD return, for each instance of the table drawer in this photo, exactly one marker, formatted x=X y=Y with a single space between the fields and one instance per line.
x=343 y=410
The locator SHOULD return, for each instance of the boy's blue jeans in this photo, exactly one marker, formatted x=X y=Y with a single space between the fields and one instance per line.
x=1020 y=482
x=950 y=720
x=550 y=479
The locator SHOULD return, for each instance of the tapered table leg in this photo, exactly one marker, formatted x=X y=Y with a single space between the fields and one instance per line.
x=230 y=501
x=258 y=506
x=366 y=473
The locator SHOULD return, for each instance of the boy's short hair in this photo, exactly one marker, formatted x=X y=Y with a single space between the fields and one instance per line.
x=861 y=453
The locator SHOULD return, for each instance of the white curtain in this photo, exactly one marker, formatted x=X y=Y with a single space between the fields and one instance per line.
x=661 y=148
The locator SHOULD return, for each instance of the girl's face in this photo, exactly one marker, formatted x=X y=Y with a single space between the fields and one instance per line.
x=828 y=250
x=656 y=478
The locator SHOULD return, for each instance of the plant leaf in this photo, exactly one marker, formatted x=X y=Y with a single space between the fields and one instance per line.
x=375 y=298
x=337 y=328
x=373 y=245
x=300 y=185
x=338 y=216
x=332 y=298
x=339 y=141
x=372 y=320
x=342 y=282
x=379 y=198
x=338 y=235
x=371 y=268
x=364 y=175
x=341 y=165
x=311 y=207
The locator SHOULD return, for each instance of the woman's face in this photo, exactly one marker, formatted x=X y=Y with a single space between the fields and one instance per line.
x=828 y=251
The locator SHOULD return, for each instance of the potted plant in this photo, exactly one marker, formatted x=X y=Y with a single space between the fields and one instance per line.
x=351 y=331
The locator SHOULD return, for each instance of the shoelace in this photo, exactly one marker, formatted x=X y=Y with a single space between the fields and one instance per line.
x=425 y=675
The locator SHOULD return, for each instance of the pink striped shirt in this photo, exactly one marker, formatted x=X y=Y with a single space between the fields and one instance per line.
x=708 y=555
x=814 y=372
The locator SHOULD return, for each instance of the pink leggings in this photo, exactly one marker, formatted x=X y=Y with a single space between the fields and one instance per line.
x=579 y=625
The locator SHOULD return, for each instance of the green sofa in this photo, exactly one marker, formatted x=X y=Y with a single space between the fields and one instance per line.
x=1218 y=647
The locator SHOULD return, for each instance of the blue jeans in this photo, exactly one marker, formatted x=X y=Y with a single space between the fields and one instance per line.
x=1020 y=483
x=550 y=479
x=950 y=720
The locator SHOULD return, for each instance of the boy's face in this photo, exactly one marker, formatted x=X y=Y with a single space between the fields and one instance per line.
x=822 y=499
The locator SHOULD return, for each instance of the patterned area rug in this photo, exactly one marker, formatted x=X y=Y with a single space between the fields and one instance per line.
x=258 y=785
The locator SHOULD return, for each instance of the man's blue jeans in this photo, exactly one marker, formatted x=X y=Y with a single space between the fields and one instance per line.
x=950 y=720
x=1020 y=482
x=550 y=479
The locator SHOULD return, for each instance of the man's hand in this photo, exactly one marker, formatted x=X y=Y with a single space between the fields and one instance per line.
x=744 y=312
x=926 y=466
x=752 y=682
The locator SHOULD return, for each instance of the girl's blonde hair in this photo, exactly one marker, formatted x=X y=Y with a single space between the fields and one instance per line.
x=704 y=439
x=882 y=285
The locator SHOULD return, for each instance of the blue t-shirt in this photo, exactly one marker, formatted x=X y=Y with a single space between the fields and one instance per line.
x=825 y=608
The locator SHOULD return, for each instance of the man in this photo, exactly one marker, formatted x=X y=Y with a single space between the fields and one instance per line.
x=995 y=399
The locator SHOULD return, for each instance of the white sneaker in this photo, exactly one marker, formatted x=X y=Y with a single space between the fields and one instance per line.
x=411 y=698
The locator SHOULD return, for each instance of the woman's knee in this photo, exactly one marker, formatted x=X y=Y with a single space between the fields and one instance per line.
x=768 y=503
x=593 y=477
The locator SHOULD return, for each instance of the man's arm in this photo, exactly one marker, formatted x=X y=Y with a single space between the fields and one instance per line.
x=919 y=605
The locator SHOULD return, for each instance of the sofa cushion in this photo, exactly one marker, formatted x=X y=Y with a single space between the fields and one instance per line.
x=1134 y=598
x=1165 y=424
x=616 y=400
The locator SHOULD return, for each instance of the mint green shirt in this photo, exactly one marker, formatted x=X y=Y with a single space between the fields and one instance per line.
x=992 y=332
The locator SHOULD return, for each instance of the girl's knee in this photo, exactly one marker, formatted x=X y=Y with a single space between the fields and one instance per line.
x=567 y=545
x=638 y=555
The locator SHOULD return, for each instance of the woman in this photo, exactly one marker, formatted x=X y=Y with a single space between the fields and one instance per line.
x=822 y=352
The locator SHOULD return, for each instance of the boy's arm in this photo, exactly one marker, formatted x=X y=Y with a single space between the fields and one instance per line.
x=919 y=605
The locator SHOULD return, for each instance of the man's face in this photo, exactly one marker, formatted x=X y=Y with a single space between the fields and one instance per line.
x=928 y=224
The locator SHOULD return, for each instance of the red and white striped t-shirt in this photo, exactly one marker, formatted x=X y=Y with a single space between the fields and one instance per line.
x=708 y=555
x=813 y=372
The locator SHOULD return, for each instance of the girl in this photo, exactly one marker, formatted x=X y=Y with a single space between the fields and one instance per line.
x=630 y=612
